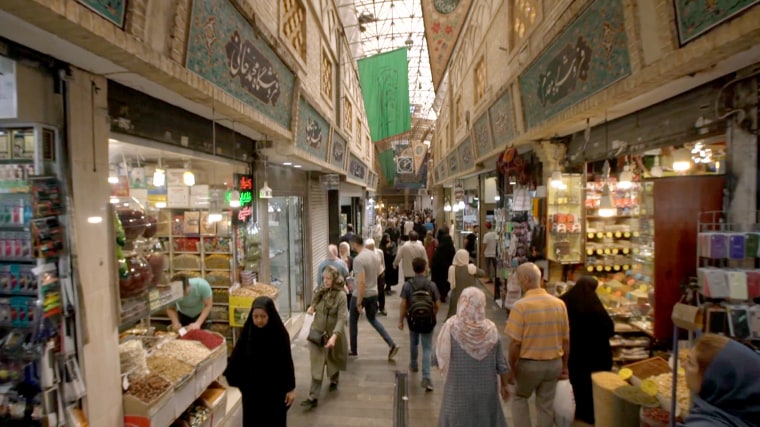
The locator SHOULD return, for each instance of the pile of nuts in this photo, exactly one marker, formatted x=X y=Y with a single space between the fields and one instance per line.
x=148 y=388
x=255 y=291
x=665 y=385
x=169 y=368
x=190 y=352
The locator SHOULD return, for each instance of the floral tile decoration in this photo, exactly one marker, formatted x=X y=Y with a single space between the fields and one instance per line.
x=466 y=157
x=338 y=151
x=443 y=23
x=481 y=135
x=695 y=17
x=313 y=131
x=591 y=54
x=502 y=118
x=223 y=48
x=112 y=10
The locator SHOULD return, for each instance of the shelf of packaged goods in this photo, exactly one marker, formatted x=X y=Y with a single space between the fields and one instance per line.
x=625 y=345
x=559 y=205
x=220 y=287
x=217 y=253
x=619 y=235
x=611 y=217
x=217 y=269
x=186 y=269
x=560 y=234
x=187 y=252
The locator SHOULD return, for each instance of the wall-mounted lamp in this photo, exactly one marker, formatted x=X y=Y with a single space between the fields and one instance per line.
x=681 y=160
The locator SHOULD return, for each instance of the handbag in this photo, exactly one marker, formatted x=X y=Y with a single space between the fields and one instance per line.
x=317 y=337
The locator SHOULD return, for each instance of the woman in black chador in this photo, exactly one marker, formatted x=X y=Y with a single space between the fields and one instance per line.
x=261 y=366
x=590 y=332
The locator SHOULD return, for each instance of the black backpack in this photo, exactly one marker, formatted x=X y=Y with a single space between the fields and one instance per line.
x=420 y=312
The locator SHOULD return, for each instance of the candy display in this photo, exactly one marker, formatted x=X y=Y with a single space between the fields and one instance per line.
x=133 y=221
x=664 y=386
x=195 y=416
x=139 y=276
x=148 y=388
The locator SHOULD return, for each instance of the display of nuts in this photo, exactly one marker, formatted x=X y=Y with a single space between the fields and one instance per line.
x=190 y=352
x=148 y=388
x=169 y=368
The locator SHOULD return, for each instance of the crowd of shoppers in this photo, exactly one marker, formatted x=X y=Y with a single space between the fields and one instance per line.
x=548 y=339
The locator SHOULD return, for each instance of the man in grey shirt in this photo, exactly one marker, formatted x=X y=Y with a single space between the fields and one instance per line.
x=364 y=296
x=407 y=253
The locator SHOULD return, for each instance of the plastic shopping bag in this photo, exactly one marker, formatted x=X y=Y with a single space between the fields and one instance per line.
x=564 y=404
x=307 y=321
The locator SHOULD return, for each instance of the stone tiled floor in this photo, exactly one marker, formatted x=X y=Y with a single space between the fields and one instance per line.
x=365 y=396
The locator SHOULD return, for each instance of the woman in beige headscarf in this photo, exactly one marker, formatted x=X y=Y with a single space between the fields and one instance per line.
x=461 y=276
x=469 y=355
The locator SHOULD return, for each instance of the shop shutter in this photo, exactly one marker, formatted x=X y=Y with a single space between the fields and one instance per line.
x=318 y=213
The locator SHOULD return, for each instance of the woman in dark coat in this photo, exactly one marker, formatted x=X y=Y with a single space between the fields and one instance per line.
x=590 y=332
x=442 y=259
x=388 y=246
x=261 y=366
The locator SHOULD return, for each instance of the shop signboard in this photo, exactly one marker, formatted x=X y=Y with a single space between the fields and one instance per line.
x=112 y=10
x=481 y=136
x=8 y=89
x=590 y=55
x=442 y=171
x=313 y=131
x=338 y=151
x=696 y=17
x=330 y=181
x=466 y=158
x=502 y=119
x=244 y=186
x=453 y=163
x=223 y=48
x=357 y=170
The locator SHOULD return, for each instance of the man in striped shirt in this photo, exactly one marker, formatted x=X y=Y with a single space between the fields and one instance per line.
x=539 y=348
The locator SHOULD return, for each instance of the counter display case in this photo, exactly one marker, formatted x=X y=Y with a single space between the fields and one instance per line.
x=565 y=220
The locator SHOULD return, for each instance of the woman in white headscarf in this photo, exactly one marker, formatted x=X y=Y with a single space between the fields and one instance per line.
x=461 y=276
x=470 y=358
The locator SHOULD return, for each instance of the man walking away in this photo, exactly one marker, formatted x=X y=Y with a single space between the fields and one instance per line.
x=370 y=244
x=490 y=243
x=539 y=348
x=364 y=296
x=407 y=253
x=420 y=301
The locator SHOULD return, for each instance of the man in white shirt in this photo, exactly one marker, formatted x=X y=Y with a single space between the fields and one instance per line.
x=408 y=227
x=407 y=253
x=490 y=243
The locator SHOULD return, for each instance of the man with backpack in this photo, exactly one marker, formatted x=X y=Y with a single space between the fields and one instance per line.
x=420 y=301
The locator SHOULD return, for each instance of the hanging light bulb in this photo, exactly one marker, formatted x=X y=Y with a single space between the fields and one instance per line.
x=265 y=192
x=606 y=205
x=188 y=177
x=159 y=177
x=235 y=199
x=214 y=217
x=626 y=178
x=556 y=179
x=460 y=205
x=112 y=177
x=681 y=160
x=656 y=168
x=447 y=207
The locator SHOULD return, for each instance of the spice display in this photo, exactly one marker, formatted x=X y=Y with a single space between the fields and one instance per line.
x=664 y=386
x=654 y=417
x=169 y=368
x=148 y=388
x=132 y=357
x=190 y=352
x=255 y=291
x=194 y=417
x=209 y=339
x=636 y=396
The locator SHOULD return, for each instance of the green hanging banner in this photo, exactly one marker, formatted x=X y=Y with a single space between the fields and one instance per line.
x=385 y=88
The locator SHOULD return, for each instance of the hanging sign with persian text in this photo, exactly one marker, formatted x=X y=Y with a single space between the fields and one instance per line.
x=224 y=49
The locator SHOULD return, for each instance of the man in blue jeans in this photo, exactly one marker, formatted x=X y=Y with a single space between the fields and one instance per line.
x=364 y=296
x=420 y=301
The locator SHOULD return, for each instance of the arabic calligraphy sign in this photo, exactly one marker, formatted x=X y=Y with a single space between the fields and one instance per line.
x=312 y=132
x=338 y=151
x=357 y=170
x=696 y=17
x=223 y=48
x=466 y=157
x=441 y=170
x=453 y=162
x=481 y=134
x=112 y=10
x=591 y=54
x=502 y=119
